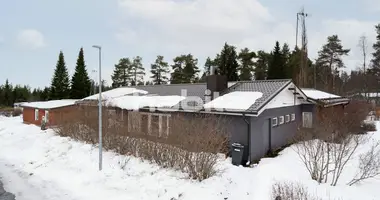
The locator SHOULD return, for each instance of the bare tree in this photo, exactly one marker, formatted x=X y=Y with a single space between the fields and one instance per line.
x=326 y=149
x=363 y=45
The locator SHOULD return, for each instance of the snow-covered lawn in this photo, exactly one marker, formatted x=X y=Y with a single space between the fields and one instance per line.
x=38 y=165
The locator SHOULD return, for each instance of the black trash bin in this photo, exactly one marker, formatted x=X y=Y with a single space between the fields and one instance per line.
x=237 y=154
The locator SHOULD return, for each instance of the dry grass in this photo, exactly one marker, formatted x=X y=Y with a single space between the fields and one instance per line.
x=291 y=191
x=191 y=144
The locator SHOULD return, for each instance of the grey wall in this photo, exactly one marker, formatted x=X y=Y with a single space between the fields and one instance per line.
x=280 y=135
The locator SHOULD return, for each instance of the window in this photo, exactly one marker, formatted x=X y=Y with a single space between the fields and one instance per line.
x=155 y=125
x=307 y=119
x=287 y=118
x=35 y=114
x=134 y=122
x=47 y=115
x=293 y=117
x=274 y=121
x=281 y=119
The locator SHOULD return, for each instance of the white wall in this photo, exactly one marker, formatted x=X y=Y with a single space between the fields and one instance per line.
x=283 y=99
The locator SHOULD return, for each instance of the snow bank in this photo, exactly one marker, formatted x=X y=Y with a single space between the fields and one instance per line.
x=234 y=101
x=317 y=94
x=114 y=93
x=50 y=104
x=136 y=102
x=36 y=164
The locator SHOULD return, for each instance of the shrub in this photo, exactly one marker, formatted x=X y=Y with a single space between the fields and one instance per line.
x=191 y=146
x=291 y=191
x=17 y=112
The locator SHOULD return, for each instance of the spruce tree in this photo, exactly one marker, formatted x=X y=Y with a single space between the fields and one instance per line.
x=246 y=64
x=8 y=99
x=122 y=73
x=375 y=61
x=227 y=63
x=261 y=65
x=159 y=70
x=285 y=51
x=80 y=82
x=276 y=68
x=60 y=85
x=137 y=71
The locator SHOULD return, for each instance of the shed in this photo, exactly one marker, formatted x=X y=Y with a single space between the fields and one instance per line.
x=34 y=112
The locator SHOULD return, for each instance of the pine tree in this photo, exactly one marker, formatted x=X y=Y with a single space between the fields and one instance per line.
x=330 y=61
x=190 y=71
x=246 y=64
x=177 y=76
x=261 y=65
x=60 y=85
x=159 y=71
x=227 y=63
x=137 y=71
x=207 y=66
x=122 y=73
x=80 y=82
x=276 y=68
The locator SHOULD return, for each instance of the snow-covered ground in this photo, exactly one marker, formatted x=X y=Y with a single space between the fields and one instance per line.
x=37 y=164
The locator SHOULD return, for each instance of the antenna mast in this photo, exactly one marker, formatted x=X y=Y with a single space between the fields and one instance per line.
x=302 y=76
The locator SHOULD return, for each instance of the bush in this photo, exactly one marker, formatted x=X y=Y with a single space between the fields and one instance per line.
x=291 y=191
x=17 y=112
x=192 y=146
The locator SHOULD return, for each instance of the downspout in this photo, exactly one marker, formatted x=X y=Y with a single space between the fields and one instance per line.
x=248 y=137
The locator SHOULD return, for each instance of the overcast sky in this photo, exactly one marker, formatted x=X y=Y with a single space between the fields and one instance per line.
x=33 y=32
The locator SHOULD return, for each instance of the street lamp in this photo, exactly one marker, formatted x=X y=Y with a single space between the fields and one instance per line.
x=100 y=105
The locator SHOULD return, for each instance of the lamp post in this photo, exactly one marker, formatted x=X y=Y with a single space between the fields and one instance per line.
x=100 y=106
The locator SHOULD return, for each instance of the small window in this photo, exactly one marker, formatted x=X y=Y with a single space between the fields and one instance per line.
x=35 y=114
x=281 y=120
x=274 y=121
x=307 y=119
x=287 y=118
x=47 y=115
x=293 y=117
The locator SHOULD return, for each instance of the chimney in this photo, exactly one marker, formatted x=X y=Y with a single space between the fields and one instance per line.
x=215 y=83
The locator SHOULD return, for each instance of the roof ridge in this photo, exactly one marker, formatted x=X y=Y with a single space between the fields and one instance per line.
x=267 y=80
x=176 y=84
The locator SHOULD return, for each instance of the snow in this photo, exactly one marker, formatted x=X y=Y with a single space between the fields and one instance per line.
x=50 y=104
x=136 y=102
x=234 y=101
x=37 y=164
x=317 y=94
x=118 y=92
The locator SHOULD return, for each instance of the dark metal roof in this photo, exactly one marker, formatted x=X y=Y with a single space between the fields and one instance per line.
x=195 y=89
x=269 y=88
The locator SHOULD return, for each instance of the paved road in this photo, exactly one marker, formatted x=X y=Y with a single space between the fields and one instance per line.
x=5 y=195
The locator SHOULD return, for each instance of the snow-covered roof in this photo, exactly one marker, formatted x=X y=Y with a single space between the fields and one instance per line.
x=137 y=102
x=234 y=101
x=114 y=93
x=317 y=94
x=50 y=104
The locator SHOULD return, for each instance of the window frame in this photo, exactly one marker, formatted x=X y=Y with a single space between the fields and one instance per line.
x=36 y=114
x=307 y=123
x=287 y=118
x=274 y=124
x=293 y=117
x=281 y=120
x=47 y=115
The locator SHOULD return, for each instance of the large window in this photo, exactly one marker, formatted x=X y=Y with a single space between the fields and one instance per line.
x=134 y=122
x=153 y=124
x=307 y=119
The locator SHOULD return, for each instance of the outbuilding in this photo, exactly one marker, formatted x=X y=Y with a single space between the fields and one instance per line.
x=52 y=111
